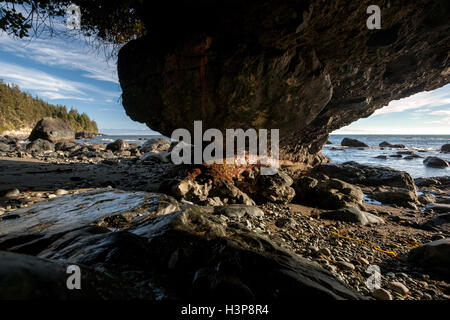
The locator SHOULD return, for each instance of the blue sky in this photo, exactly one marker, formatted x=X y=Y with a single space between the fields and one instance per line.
x=69 y=72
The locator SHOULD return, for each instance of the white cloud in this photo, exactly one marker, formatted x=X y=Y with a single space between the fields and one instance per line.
x=441 y=113
x=443 y=121
x=49 y=86
x=70 y=54
x=436 y=98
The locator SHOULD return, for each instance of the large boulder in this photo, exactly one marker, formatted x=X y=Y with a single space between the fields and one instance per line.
x=435 y=162
x=445 y=148
x=352 y=215
x=118 y=145
x=327 y=194
x=373 y=176
x=53 y=130
x=353 y=143
x=4 y=147
x=305 y=67
x=434 y=256
x=181 y=252
x=40 y=145
x=155 y=145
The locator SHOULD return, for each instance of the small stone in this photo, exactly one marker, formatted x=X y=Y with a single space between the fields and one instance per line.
x=325 y=251
x=381 y=294
x=11 y=193
x=345 y=265
x=399 y=288
x=61 y=192
x=363 y=260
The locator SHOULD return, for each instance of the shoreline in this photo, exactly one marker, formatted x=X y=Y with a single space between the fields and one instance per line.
x=346 y=249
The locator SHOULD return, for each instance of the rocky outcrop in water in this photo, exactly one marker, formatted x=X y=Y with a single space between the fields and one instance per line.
x=305 y=67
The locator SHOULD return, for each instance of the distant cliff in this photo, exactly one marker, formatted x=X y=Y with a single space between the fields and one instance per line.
x=19 y=112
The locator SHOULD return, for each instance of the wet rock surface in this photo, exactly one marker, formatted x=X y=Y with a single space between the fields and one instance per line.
x=182 y=252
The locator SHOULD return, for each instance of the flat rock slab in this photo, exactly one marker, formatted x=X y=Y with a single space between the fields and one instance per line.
x=238 y=211
x=102 y=207
x=439 y=207
x=352 y=215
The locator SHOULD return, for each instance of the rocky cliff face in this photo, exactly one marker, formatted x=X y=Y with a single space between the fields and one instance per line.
x=304 y=67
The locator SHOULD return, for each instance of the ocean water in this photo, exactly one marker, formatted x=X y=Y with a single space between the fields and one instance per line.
x=429 y=143
x=139 y=140
x=415 y=167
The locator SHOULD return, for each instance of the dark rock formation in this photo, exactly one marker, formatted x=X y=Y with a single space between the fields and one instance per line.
x=118 y=145
x=445 y=148
x=155 y=145
x=388 y=145
x=53 y=130
x=435 y=162
x=327 y=194
x=84 y=135
x=353 y=215
x=356 y=173
x=305 y=67
x=178 y=252
x=434 y=256
x=353 y=143
x=40 y=145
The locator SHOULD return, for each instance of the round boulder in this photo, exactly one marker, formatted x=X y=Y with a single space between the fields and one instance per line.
x=435 y=162
x=353 y=143
x=52 y=130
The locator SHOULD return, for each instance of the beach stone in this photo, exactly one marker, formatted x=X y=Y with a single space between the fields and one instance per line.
x=398 y=287
x=434 y=256
x=61 y=192
x=373 y=176
x=427 y=182
x=352 y=215
x=381 y=294
x=239 y=211
x=118 y=145
x=439 y=207
x=384 y=157
x=275 y=188
x=435 y=162
x=4 y=147
x=155 y=145
x=398 y=196
x=445 y=148
x=439 y=223
x=426 y=199
x=327 y=194
x=40 y=145
x=345 y=265
x=10 y=193
x=65 y=146
x=386 y=144
x=52 y=130
x=285 y=223
x=187 y=189
x=348 y=142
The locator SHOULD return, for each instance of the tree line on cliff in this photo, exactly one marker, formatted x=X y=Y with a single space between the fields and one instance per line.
x=19 y=110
